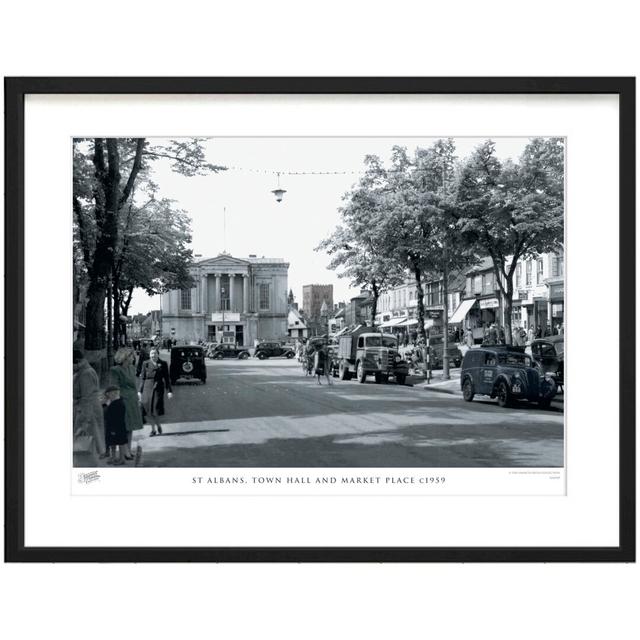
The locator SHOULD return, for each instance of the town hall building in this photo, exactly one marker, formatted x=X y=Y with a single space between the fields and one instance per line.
x=234 y=300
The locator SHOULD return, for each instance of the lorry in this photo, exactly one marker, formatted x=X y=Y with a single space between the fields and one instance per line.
x=363 y=352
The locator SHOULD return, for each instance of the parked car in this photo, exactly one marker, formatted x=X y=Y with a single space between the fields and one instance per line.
x=229 y=351
x=273 y=350
x=187 y=363
x=506 y=373
x=436 y=345
x=549 y=354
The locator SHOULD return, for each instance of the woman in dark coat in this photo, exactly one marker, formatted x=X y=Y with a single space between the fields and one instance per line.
x=123 y=376
x=154 y=379
x=321 y=364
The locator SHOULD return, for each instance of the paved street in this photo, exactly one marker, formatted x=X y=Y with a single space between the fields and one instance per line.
x=255 y=413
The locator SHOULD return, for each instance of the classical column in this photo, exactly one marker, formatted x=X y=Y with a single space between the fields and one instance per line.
x=231 y=292
x=216 y=302
x=203 y=294
x=245 y=293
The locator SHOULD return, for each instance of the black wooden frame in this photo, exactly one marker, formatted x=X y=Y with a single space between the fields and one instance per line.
x=15 y=91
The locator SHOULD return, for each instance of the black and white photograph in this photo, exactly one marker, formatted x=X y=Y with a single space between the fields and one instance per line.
x=365 y=317
x=319 y=302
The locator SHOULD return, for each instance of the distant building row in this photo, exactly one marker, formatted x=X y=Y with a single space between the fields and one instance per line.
x=474 y=300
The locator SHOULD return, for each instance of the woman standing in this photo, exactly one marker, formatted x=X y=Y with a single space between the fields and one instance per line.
x=123 y=376
x=322 y=364
x=87 y=410
x=154 y=379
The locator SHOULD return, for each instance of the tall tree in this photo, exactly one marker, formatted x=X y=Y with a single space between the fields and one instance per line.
x=106 y=172
x=153 y=254
x=513 y=210
x=356 y=246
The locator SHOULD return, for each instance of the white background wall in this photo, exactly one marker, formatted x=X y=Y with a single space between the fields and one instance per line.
x=316 y=601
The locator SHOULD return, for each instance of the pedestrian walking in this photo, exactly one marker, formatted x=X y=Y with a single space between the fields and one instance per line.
x=123 y=376
x=115 y=426
x=87 y=409
x=523 y=337
x=531 y=334
x=154 y=380
x=468 y=337
x=143 y=356
x=322 y=364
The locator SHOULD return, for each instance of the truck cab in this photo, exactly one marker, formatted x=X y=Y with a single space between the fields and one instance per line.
x=364 y=352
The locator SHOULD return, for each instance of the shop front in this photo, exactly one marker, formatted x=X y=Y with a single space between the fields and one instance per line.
x=556 y=305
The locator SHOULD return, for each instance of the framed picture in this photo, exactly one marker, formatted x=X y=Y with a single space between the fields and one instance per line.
x=320 y=319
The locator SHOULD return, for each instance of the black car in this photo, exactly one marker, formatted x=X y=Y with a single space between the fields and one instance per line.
x=187 y=363
x=228 y=351
x=273 y=350
x=549 y=354
x=506 y=373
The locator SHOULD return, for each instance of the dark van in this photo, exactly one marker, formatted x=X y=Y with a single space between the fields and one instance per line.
x=507 y=374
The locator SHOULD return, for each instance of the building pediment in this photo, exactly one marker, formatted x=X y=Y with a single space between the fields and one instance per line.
x=223 y=261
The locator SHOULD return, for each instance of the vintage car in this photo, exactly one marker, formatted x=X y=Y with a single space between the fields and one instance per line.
x=221 y=351
x=436 y=352
x=548 y=353
x=506 y=373
x=187 y=363
x=273 y=350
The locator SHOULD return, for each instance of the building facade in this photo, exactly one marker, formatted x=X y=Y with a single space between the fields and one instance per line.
x=296 y=327
x=398 y=307
x=234 y=300
x=538 y=295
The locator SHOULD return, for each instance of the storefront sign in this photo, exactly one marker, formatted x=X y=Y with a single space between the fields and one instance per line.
x=523 y=295
x=489 y=303
x=434 y=314
x=556 y=291
x=225 y=317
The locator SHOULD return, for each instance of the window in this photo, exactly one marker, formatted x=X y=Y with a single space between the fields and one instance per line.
x=264 y=297
x=185 y=299
x=557 y=266
x=518 y=275
x=487 y=283
x=539 y=270
x=529 y=271
x=514 y=359
x=477 y=284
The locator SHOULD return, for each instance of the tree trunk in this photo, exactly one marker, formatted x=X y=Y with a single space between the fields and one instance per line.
x=508 y=307
x=109 y=324
x=116 y=316
x=374 y=306
x=94 y=330
x=445 y=317
x=418 y=277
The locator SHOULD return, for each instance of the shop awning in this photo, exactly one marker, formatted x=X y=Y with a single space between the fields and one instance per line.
x=462 y=310
x=394 y=322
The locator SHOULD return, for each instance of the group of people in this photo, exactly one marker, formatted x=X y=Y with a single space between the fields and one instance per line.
x=520 y=337
x=134 y=394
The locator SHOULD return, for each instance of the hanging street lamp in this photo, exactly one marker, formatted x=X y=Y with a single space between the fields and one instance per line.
x=278 y=193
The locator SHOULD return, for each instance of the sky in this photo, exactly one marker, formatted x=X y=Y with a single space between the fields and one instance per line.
x=235 y=211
